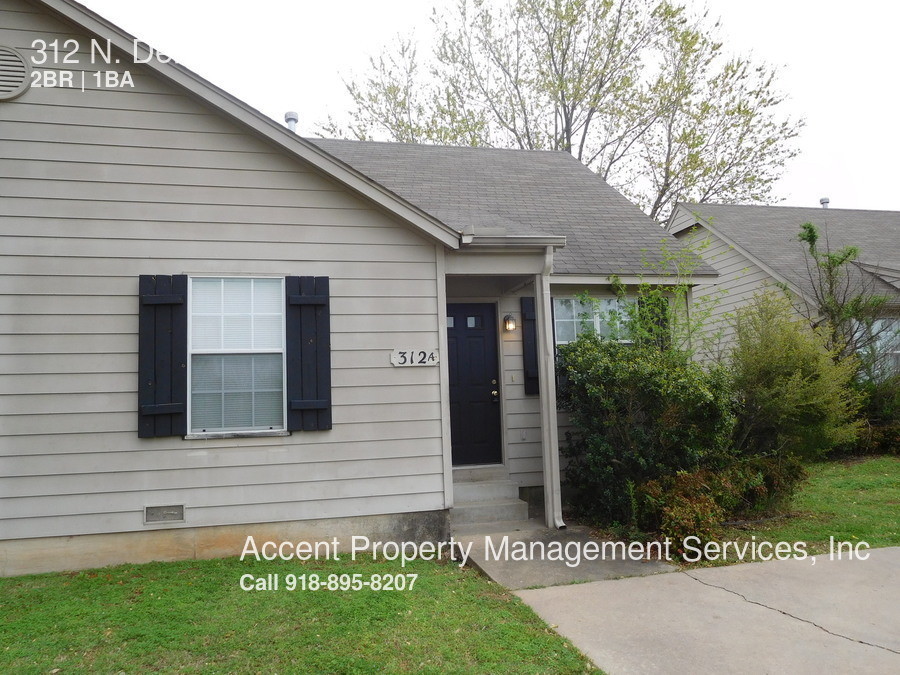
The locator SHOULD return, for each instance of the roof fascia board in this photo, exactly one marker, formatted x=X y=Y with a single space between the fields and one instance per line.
x=513 y=241
x=627 y=279
x=794 y=288
x=877 y=269
x=670 y=225
x=259 y=123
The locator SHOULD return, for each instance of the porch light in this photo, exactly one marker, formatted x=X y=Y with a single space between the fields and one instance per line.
x=509 y=323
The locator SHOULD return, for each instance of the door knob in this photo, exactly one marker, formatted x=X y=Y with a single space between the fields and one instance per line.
x=495 y=393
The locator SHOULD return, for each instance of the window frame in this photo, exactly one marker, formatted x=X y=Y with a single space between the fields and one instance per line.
x=887 y=344
x=596 y=315
x=236 y=433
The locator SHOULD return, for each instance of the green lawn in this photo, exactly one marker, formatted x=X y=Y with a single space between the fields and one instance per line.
x=192 y=616
x=853 y=500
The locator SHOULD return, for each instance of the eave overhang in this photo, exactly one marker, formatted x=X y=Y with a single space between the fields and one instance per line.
x=512 y=242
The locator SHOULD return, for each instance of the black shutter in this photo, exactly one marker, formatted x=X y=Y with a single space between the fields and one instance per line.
x=530 y=346
x=308 y=353
x=162 y=356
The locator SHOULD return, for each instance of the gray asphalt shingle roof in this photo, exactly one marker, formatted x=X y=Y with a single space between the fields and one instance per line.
x=769 y=233
x=488 y=191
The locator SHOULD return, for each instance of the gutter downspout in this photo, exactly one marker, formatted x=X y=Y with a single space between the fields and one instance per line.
x=547 y=374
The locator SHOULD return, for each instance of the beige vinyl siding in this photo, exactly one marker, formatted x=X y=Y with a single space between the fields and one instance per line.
x=739 y=280
x=101 y=186
x=522 y=412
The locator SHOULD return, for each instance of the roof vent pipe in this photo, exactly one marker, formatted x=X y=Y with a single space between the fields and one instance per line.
x=291 y=118
x=824 y=202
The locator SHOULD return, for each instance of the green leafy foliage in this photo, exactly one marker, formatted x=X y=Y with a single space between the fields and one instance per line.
x=793 y=397
x=853 y=500
x=639 y=413
x=662 y=443
x=696 y=503
x=845 y=307
x=850 y=315
x=881 y=411
x=656 y=312
x=640 y=405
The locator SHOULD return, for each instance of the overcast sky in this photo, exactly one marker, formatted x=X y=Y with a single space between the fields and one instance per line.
x=839 y=65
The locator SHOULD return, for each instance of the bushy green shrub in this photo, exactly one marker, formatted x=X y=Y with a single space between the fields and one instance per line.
x=662 y=443
x=881 y=410
x=793 y=396
x=678 y=506
x=639 y=413
x=695 y=503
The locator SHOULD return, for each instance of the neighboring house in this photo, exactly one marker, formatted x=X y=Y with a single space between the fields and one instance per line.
x=757 y=247
x=210 y=327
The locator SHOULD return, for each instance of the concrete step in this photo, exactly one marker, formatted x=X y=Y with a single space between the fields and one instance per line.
x=520 y=527
x=488 y=511
x=480 y=473
x=484 y=490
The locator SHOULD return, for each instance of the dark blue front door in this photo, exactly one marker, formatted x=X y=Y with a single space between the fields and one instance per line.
x=474 y=383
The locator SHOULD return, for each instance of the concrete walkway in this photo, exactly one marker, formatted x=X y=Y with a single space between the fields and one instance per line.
x=769 y=617
x=498 y=549
x=791 y=616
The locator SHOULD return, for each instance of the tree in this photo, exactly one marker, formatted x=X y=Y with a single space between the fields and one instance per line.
x=718 y=135
x=637 y=90
x=845 y=305
x=850 y=314
x=794 y=397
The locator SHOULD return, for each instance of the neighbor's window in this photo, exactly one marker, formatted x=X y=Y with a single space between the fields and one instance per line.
x=606 y=316
x=888 y=343
x=236 y=354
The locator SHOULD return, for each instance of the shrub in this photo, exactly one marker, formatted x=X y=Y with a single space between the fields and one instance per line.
x=881 y=434
x=661 y=443
x=696 y=503
x=639 y=413
x=794 y=397
x=678 y=506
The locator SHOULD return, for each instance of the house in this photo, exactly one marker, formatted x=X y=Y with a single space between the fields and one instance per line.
x=757 y=247
x=213 y=328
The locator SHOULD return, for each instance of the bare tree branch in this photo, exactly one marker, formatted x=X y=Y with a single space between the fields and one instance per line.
x=638 y=90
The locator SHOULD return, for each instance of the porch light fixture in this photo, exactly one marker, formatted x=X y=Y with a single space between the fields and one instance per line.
x=509 y=323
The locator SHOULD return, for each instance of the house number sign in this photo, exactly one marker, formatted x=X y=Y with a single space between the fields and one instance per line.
x=414 y=357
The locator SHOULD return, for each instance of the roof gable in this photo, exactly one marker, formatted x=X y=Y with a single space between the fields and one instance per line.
x=447 y=193
x=497 y=192
x=259 y=124
x=768 y=235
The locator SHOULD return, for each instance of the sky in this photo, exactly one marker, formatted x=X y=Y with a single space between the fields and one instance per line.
x=838 y=65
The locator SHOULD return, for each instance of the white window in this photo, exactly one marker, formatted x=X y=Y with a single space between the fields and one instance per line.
x=236 y=345
x=606 y=316
x=887 y=343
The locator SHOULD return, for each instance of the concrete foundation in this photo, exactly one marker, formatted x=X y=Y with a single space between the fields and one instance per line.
x=57 y=554
x=534 y=496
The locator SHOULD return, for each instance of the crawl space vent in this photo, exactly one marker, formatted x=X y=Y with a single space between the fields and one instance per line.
x=15 y=74
x=164 y=514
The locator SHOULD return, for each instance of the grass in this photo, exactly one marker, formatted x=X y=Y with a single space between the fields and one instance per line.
x=852 y=500
x=192 y=616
